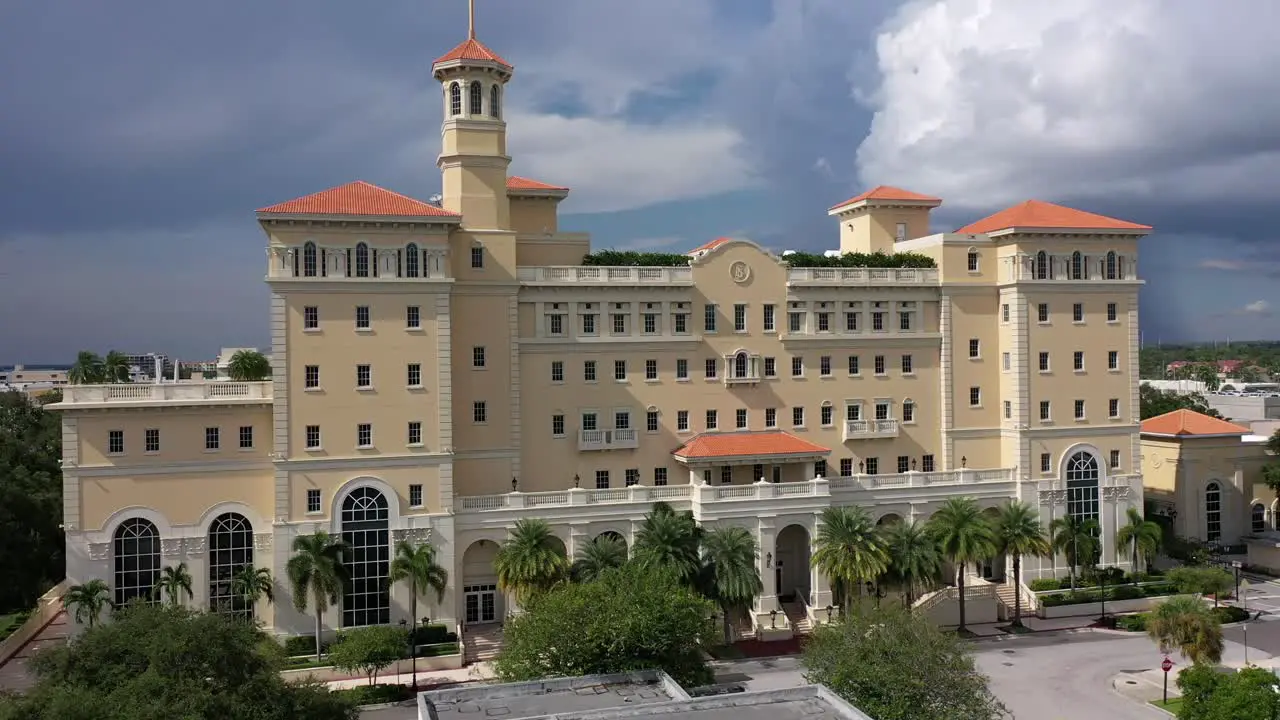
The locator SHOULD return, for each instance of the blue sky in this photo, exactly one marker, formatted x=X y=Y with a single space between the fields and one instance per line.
x=138 y=137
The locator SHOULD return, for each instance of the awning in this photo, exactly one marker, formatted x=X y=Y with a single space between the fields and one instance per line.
x=748 y=447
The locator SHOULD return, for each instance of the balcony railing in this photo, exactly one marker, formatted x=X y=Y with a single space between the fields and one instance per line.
x=625 y=439
x=180 y=392
x=940 y=478
x=862 y=276
x=595 y=274
x=870 y=429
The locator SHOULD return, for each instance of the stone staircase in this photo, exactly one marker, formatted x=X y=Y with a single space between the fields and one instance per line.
x=481 y=643
x=1006 y=595
x=797 y=616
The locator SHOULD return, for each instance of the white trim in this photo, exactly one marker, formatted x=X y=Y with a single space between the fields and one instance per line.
x=112 y=523
x=260 y=525
x=335 y=504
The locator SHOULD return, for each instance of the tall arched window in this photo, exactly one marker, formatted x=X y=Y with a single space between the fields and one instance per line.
x=366 y=599
x=1082 y=486
x=455 y=99
x=477 y=98
x=1111 y=265
x=411 y=260
x=1213 y=512
x=136 y=548
x=1259 y=517
x=740 y=365
x=230 y=548
x=362 y=260
x=1042 y=265
x=495 y=102
x=1077 y=266
x=309 y=259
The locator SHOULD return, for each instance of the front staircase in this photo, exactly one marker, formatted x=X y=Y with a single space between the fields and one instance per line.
x=1006 y=594
x=481 y=643
x=798 y=617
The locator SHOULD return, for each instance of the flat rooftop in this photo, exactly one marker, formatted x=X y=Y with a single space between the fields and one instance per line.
x=649 y=694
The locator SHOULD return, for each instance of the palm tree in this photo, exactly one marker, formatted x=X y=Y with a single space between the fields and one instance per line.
x=317 y=574
x=87 y=369
x=1075 y=537
x=1141 y=535
x=964 y=536
x=251 y=584
x=115 y=368
x=671 y=540
x=914 y=560
x=731 y=575
x=530 y=561
x=1018 y=533
x=249 y=366
x=88 y=601
x=597 y=557
x=173 y=582
x=1185 y=623
x=417 y=565
x=848 y=550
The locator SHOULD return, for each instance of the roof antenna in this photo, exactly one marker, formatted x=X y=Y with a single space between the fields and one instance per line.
x=471 y=19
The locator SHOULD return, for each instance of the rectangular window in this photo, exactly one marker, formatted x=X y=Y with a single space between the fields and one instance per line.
x=620 y=370
x=415 y=432
x=1042 y=312
x=619 y=324
x=1114 y=460
x=771 y=417
x=152 y=436
x=908 y=366
x=908 y=411
x=650 y=321
x=872 y=465
x=477 y=258
x=651 y=421
x=795 y=322
x=650 y=369
x=589 y=371
x=904 y=463
x=311 y=376
x=904 y=320
x=659 y=476
x=797 y=416
x=1006 y=361
x=975 y=348
x=878 y=364
x=682 y=323
x=826 y=416
x=1111 y=312
x=770 y=367
x=824 y=366
x=853 y=365
x=479 y=412
x=740 y=418
x=877 y=322
x=824 y=322
x=1044 y=361
x=682 y=421
x=589 y=421
x=1077 y=312
x=1113 y=360
x=362 y=317
x=413 y=375
x=1008 y=410
x=726 y=474
x=1077 y=360
x=313 y=437
x=364 y=376
x=975 y=397
x=900 y=233
x=211 y=439
x=477 y=356
x=555 y=325
x=632 y=476
x=682 y=369
x=740 y=318
x=820 y=468
x=797 y=366
x=1079 y=409
x=589 y=324
x=769 y=314
x=602 y=479
x=313 y=500
x=1113 y=408
x=851 y=322
x=1004 y=312
x=246 y=437
x=1046 y=462
x=846 y=467
x=709 y=318
x=364 y=435
x=709 y=368
x=557 y=371
x=557 y=426
x=413 y=317
x=310 y=318
x=713 y=420
x=1045 y=408
x=926 y=463
x=415 y=495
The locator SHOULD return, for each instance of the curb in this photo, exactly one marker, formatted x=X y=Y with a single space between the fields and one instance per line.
x=1004 y=637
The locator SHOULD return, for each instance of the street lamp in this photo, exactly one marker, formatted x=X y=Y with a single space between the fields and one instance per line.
x=773 y=619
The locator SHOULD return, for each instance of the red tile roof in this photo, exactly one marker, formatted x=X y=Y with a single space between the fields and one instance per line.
x=887 y=192
x=1047 y=216
x=1189 y=422
x=711 y=245
x=746 y=444
x=472 y=49
x=515 y=182
x=357 y=198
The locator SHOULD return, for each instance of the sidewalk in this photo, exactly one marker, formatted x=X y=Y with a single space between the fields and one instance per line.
x=1033 y=624
x=471 y=673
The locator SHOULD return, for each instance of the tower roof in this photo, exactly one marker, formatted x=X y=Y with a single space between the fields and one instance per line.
x=890 y=193
x=357 y=198
x=1040 y=215
x=473 y=50
x=1184 y=422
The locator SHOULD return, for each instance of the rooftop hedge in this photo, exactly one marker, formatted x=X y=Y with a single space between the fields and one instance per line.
x=629 y=258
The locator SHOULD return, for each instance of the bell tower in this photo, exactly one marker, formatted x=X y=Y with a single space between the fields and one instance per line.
x=473 y=150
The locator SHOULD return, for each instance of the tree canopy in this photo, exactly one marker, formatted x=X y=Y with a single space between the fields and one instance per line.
x=33 y=559
x=1158 y=402
x=1209 y=694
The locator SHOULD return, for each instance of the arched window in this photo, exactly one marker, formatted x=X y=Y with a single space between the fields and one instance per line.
x=740 y=365
x=1077 y=266
x=1213 y=512
x=411 y=260
x=495 y=102
x=366 y=599
x=1111 y=265
x=1042 y=265
x=973 y=260
x=1259 y=517
x=1082 y=486
x=455 y=99
x=362 y=260
x=309 y=259
x=137 y=560
x=230 y=548
x=908 y=410
x=477 y=98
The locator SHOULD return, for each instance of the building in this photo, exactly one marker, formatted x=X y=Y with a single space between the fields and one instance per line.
x=440 y=372
x=21 y=377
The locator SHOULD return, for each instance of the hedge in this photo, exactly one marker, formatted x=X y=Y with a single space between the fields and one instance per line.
x=13 y=622
x=434 y=634
x=375 y=694
x=308 y=661
x=629 y=258
x=1137 y=622
x=1045 y=584
x=1113 y=592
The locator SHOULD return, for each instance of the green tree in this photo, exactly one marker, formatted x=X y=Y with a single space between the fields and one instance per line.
x=115 y=367
x=731 y=573
x=33 y=555
x=1018 y=534
x=1143 y=537
x=1207 y=374
x=631 y=618
x=88 y=369
x=1247 y=374
x=530 y=561
x=1076 y=538
x=964 y=536
x=249 y=366
x=174 y=582
x=894 y=667
x=1271 y=471
x=87 y=601
x=1209 y=694
x=603 y=553
x=317 y=574
x=670 y=539
x=165 y=662
x=416 y=565
x=915 y=564
x=367 y=650
x=849 y=551
x=1155 y=402
x=251 y=584
x=1202 y=580
x=1184 y=623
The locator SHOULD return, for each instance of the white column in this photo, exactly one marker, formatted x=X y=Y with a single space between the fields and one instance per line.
x=767 y=535
x=819 y=583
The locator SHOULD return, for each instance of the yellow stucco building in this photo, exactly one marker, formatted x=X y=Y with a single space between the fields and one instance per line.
x=442 y=371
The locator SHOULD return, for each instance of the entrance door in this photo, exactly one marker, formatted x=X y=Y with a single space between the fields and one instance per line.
x=779 y=588
x=481 y=604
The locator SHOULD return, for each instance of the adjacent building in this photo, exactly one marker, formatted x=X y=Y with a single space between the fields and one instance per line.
x=441 y=371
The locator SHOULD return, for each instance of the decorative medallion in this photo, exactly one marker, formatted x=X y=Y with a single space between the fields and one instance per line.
x=99 y=551
x=1053 y=497
x=172 y=547
x=1116 y=493
x=262 y=542
x=418 y=536
x=194 y=546
x=740 y=271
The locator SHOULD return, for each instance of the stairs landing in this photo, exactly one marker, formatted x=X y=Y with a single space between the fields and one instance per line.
x=481 y=643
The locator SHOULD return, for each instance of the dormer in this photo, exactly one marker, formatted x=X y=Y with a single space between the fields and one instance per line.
x=877 y=219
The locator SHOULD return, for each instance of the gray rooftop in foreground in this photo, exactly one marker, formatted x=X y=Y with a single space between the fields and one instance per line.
x=648 y=694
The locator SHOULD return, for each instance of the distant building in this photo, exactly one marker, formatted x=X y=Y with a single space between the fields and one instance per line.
x=19 y=377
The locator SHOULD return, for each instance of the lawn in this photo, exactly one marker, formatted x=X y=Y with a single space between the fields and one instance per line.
x=1173 y=706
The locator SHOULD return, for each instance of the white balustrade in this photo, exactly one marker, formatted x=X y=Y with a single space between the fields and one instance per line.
x=614 y=439
x=866 y=429
x=179 y=392
x=597 y=274
x=862 y=276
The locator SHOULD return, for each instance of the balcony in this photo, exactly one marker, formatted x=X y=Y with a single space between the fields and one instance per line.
x=870 y=429
x=625 y=439
x=742 y=369
x=599 y=275
x=179 y=393
x=845 y=277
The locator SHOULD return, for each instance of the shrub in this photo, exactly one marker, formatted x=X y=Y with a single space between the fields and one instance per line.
x=374 y=694
x=434 y=634
x=861 y=260
x=630 y=258
x=1124 y=592
x=369 y=649
x=12 y=623
x=1133 y=623
x=295 y=645
x=438 y=649
x=1230 y=614
x=1042 y=584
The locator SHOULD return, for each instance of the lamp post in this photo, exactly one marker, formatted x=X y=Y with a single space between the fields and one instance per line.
x=1237 y=565
x=773 y=619
x=829 y=608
